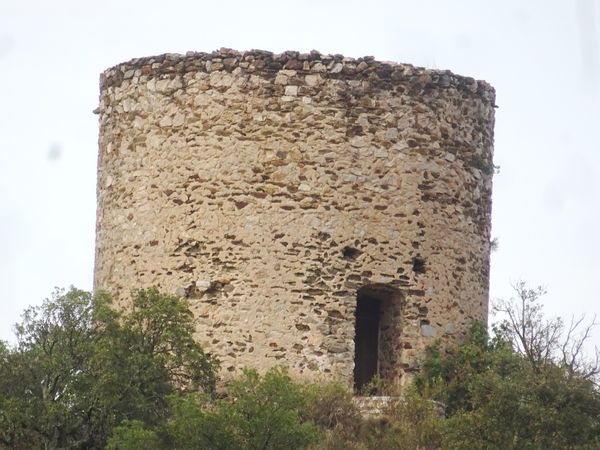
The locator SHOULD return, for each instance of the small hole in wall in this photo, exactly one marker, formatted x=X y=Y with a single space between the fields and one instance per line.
x=350 y=252
x=418 y=265
x=323 y=236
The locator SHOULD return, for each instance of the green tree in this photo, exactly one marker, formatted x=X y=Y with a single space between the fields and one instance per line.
x=266 y=412
x=259 y=413
x=496 y=398
x=80 y=368
x=542 y=340
x=133 y=435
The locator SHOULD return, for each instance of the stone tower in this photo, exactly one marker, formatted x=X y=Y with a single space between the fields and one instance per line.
x=326 y=213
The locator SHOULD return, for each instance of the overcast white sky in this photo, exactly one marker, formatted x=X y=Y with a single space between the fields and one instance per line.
x=542 y=57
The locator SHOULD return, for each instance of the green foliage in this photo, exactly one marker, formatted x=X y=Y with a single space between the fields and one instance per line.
x=330 y=406
x=260 y=412
x=378 y=386
x=525 y=411
x=546 y=341
x=162 y=327
x=195 y=423
x=132 y=435
x=487 y=167
x=410 y=422
x=446 y=374
x=81 y=368
x=86 y=376
x=497 y=399
x=265 y=412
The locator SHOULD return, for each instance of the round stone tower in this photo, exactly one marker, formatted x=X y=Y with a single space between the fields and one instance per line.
x=325 y=213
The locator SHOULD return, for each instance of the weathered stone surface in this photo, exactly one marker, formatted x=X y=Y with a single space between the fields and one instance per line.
x=428 y=331
x=378 y=406
x=270 y=188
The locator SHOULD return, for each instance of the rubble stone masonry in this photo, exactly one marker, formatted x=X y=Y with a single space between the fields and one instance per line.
x=277 y=192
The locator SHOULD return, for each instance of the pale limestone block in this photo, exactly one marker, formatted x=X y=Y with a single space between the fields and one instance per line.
x=281 y=79
x=162 y=85
x=312 y=80
x=291 y=90
x=380 y=153
x=337 y=68
x=165 y=121
x=178 y=120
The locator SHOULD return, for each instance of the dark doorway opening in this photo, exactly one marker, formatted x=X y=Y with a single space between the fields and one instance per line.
x=377 y=344
x=366 y=341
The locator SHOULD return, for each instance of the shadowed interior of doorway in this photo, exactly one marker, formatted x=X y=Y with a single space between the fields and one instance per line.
x=377 y=339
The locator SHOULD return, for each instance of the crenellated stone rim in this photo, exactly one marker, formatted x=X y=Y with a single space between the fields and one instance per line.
x=264 y=62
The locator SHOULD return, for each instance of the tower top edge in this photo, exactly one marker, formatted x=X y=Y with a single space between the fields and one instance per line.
x=266 y=62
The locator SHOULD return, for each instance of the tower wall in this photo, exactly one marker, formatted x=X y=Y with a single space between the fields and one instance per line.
x=269 y=189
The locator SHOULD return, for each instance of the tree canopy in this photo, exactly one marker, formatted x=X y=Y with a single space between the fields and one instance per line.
x=80 y=367
x=527 y=386
x=85 y=375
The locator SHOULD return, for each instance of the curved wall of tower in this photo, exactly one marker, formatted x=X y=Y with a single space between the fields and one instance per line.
x=277 y=192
